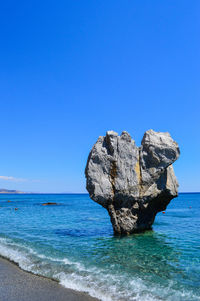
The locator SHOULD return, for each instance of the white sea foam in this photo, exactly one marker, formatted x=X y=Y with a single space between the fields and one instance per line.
x=79 y=266
x=84 y=284
x=15 y=256
x=105 y=290
x=6 y=242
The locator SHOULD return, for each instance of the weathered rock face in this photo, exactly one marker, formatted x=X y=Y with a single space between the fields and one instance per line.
x=132 y=183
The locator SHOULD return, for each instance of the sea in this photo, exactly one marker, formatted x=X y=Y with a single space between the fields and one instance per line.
x=73 y=243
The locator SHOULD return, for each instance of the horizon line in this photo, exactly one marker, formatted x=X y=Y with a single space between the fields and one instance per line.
x=21 y=193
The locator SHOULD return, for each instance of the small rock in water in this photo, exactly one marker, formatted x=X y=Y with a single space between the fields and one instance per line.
x=132 y=183
x=49 y=203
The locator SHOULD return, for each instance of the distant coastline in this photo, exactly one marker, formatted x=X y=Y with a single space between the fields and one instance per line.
x=12 y=191
x=8 y=191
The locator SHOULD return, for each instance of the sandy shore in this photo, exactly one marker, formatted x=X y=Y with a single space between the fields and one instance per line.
x=18 y=285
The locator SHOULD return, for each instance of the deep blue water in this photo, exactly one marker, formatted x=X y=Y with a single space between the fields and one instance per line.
x=74 y=243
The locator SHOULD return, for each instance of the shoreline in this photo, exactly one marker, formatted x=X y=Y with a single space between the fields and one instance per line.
x=20 y=285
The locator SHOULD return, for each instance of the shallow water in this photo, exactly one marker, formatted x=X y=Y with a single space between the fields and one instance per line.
x=74 y=243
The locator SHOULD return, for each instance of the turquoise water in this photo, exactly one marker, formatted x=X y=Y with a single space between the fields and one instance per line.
x=74 y=243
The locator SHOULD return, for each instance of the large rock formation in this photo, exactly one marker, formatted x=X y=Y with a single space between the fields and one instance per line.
x=132 y=183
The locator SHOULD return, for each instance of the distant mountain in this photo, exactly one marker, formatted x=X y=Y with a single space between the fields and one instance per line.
x=10 y=191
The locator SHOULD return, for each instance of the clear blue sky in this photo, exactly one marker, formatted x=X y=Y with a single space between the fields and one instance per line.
x=70 y=70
